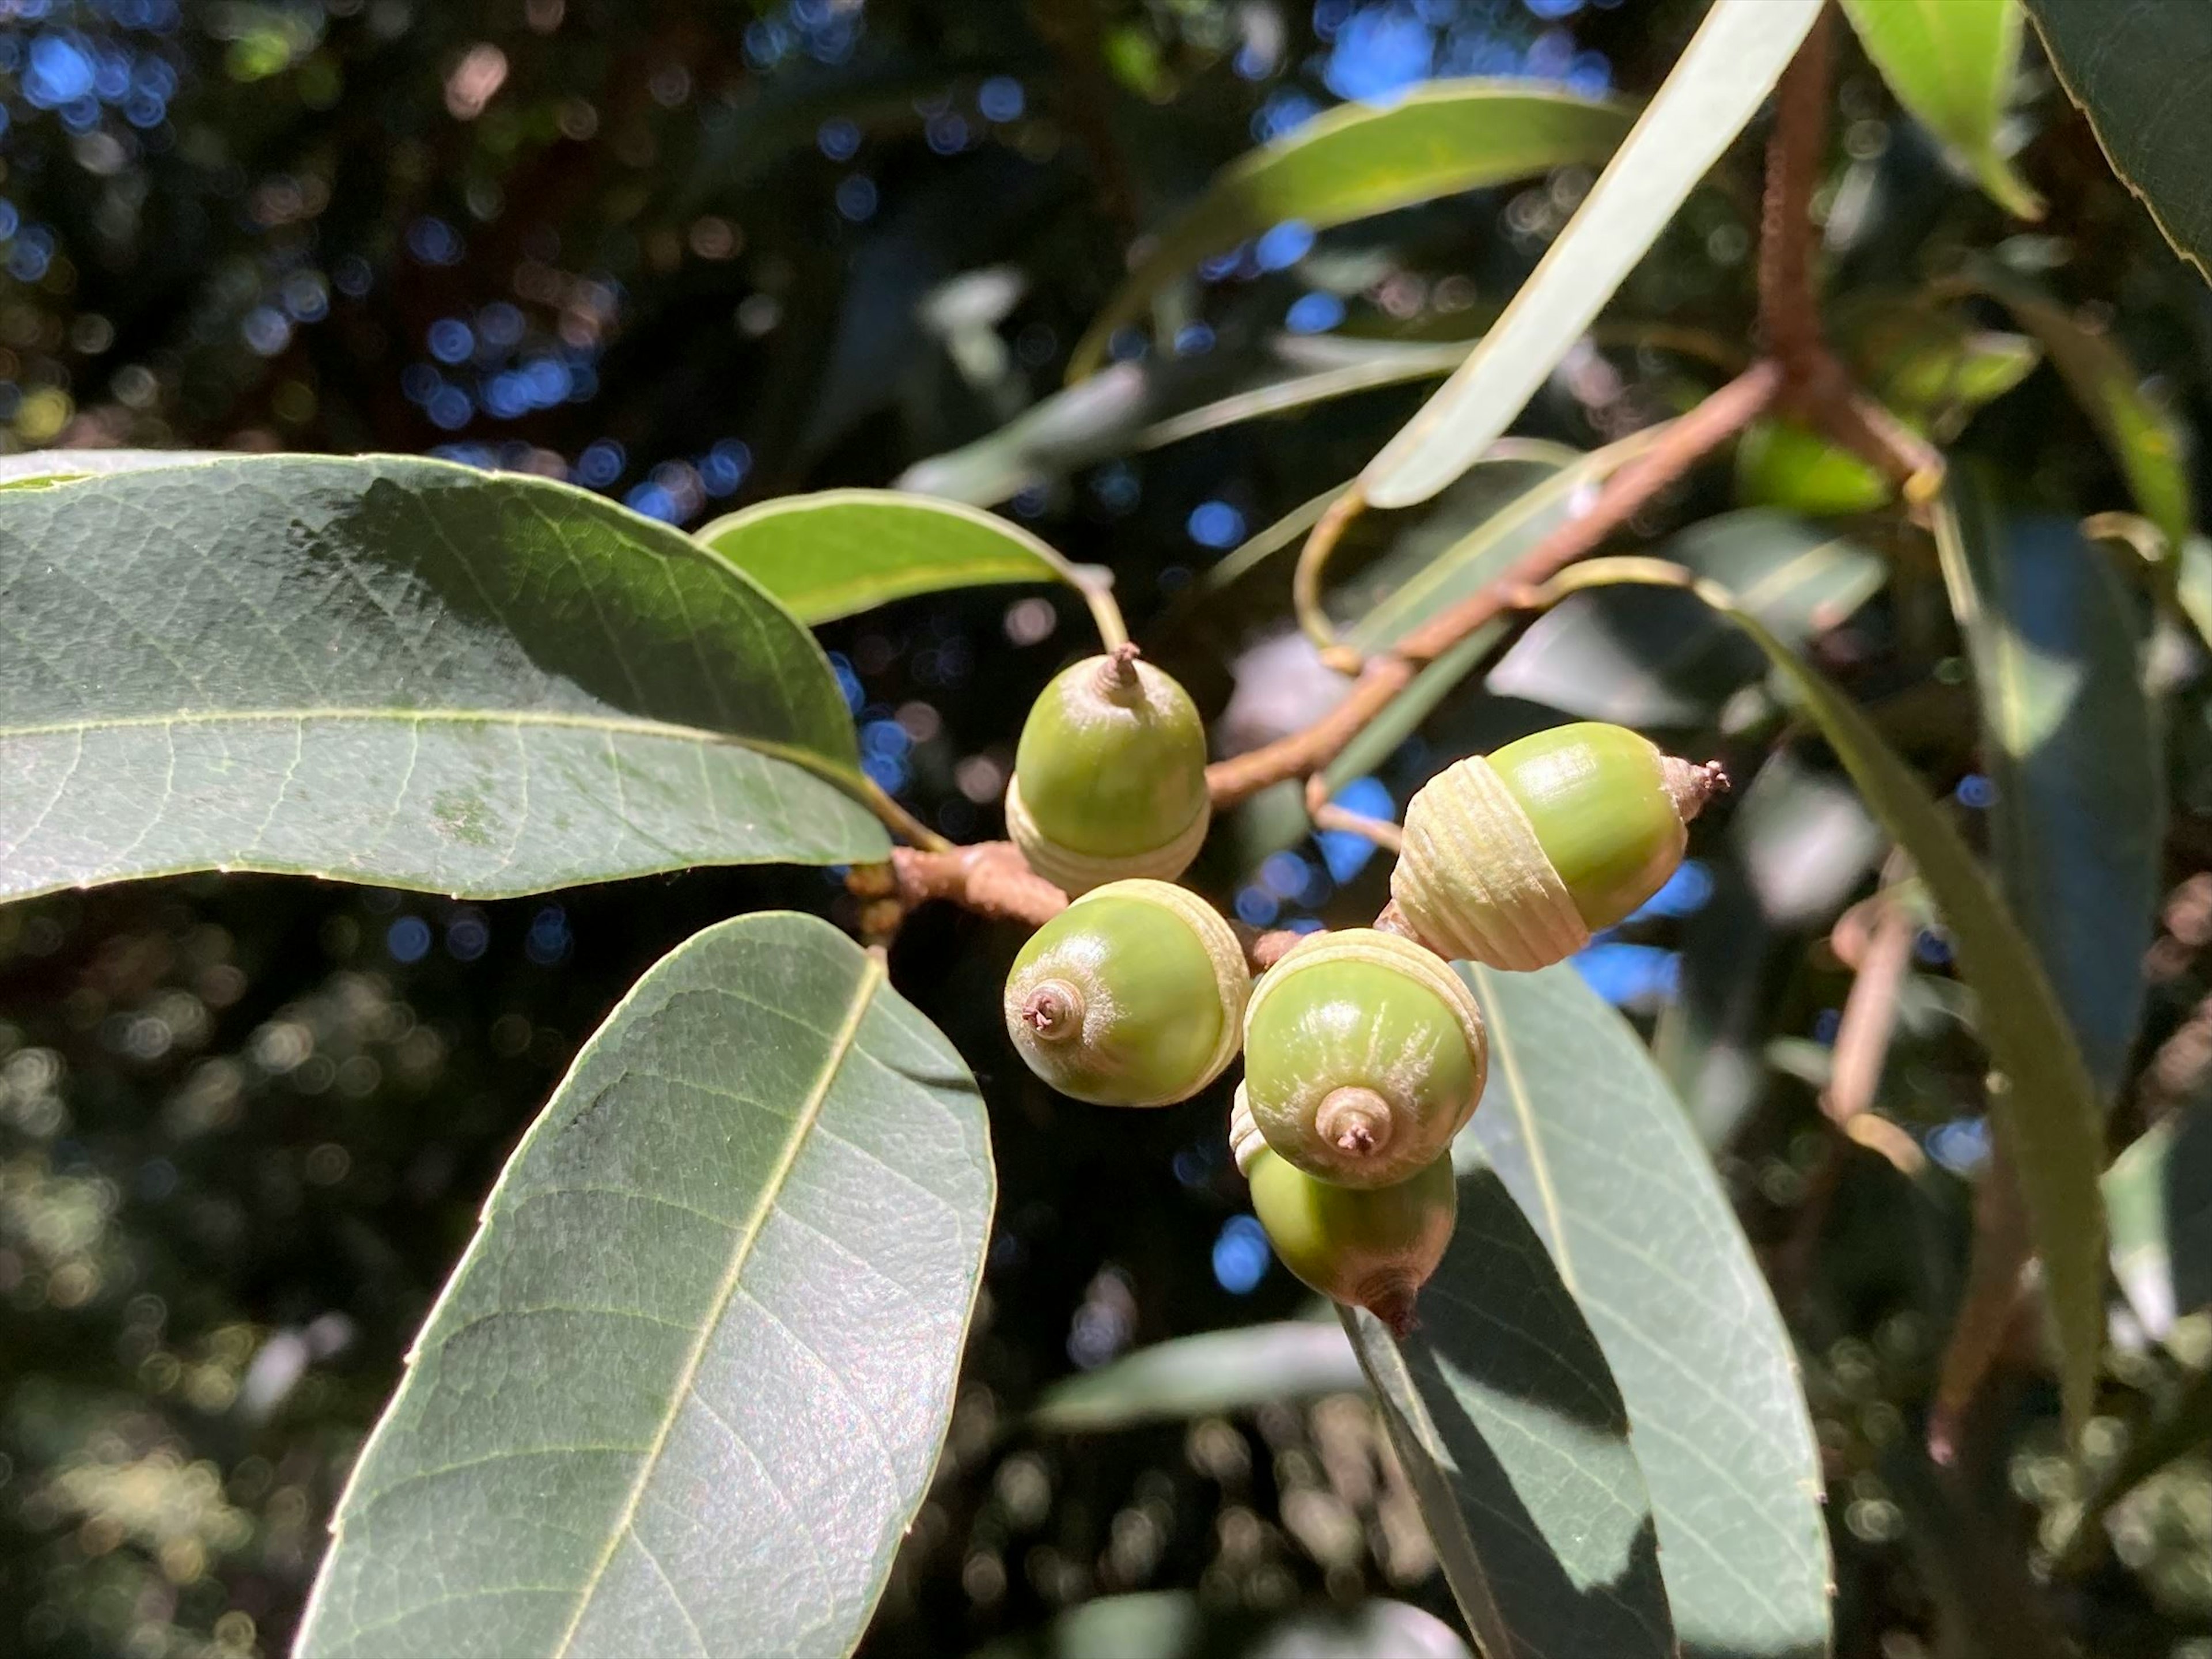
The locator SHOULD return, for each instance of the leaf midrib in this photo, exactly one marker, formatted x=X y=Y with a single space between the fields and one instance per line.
x=841 y=1046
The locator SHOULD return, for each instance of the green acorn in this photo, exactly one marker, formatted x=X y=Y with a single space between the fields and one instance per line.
x=1515 y=859
x=1109 y=777
x=1367 y=1247
x=1132 y=996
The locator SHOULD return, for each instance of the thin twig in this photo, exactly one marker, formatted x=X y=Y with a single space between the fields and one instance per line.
x=990 y=878
x=1327 y=814
x=1788 y=308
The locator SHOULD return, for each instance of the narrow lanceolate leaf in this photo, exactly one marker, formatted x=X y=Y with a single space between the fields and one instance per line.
x=1515 y=1440
x=1195 y=1375
x=2069 y=741
x=400 y=671
x=1646 y=659
x=1951 y=62
x=1356 y=161
x=2147 y=439
x=842 y=551
x=2041 y=1094
x=687 y=1387
x=1595 y=1149
x=1733 y=61
x=2139 y=70
x=2158 y=1192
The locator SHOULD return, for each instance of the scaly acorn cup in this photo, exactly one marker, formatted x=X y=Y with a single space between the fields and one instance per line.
x=1132 y=996
x=1109 y=775
x=1515 y=859
x=1363 y=1055
x=1367 y=1247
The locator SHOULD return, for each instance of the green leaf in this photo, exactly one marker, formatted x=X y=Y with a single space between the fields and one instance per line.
x=1197 y=1375
x=2147 y=440
x=1144 y=406
x=1733 y=61
x=2158 y=1192
x=688 y=1386
x=1175 y=1625
x=1951 y=62
x=1660 y=658
x=2041 y=1094
x=397 y=671
x=2069 y=741
x=843 y=551
x=1515 y=1440
x=1595 y=1148
x=2140 y=71
x=2182 y=1426
x=1357 y=160
x=1780 y=463
x=42 y=468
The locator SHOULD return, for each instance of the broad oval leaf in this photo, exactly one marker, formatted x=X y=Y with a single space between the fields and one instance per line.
x=1195 y=1375
x=1642 y=658
x=1595 y=1149
x=1952 y=62
x=689 y=1383
x=400 y=671
x=2043 y=1099
x=2137 y=71
x=1515 y=1440
x=2148 y=440
x=40 y=468
x=1732 y=63
x=842 y=551
x=2070 y=742
x=1357 y=160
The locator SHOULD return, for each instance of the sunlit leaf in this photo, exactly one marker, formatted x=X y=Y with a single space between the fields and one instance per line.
x=1358 y=160
x=2158 y=1192
x=1733 y=61
x=1195 y=1375
x=397 y=671
x=1952 y=64
x=2139 y=70
x=688 y=1386
x=1176 y=1624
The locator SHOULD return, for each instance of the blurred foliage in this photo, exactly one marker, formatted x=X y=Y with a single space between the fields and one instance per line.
x=695 y=253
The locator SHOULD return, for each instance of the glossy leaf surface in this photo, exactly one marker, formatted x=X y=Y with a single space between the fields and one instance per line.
x=1952 y=62
x=398 y=671
x=688 y=1386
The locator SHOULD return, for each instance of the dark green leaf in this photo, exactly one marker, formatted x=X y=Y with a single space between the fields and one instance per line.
x=2069 y=739
x=1358 y=160
x=2142 y=70
x=1653 y=658
x=1595 y=1149
x=398 y=671
x=831 y=555
x=1195 y=1375
x=687 y=1387
x=1952 y=64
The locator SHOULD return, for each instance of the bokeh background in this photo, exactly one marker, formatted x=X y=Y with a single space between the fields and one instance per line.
x=692 y=253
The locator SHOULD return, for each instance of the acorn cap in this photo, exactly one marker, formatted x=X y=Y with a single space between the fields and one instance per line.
x=1078 y=873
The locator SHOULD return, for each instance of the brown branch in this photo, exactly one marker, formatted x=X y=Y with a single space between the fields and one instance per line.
x=991 y=877
x=1788 y=308
x=1232 y=780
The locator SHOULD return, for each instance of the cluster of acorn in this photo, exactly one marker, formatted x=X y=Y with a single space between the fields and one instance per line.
x=1363 y=1052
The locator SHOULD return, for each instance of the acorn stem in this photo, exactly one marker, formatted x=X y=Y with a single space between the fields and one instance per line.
x=1691 y=784
x=1055 y=1011
x=1355 y=1119
x=1117 y=673
x=1391 y=1299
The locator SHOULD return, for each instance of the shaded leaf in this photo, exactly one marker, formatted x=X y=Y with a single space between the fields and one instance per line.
x=1357 y=160
x=1513 y=1438
x=2183 y=1425
x=842 y=551
x=1595 y=1149
x=2147 y=439
x=1951 y=62
x=2158 y=1193
x=2070 y=741
x=2142 y=72
x=1656 y=658
x=400 y=671
x=1733 y=61
x=2040 y=1092
x=1175 y=1624
x=689 y=1383
x=1195 y=1375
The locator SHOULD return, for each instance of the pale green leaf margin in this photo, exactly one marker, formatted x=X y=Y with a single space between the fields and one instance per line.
x=1951 y=63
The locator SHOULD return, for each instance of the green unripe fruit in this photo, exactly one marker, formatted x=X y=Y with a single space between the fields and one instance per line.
x=1363 y=1055
x=1367 y=1247
x=1132 y=996
x=1515 y=860
x=1109 y=777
